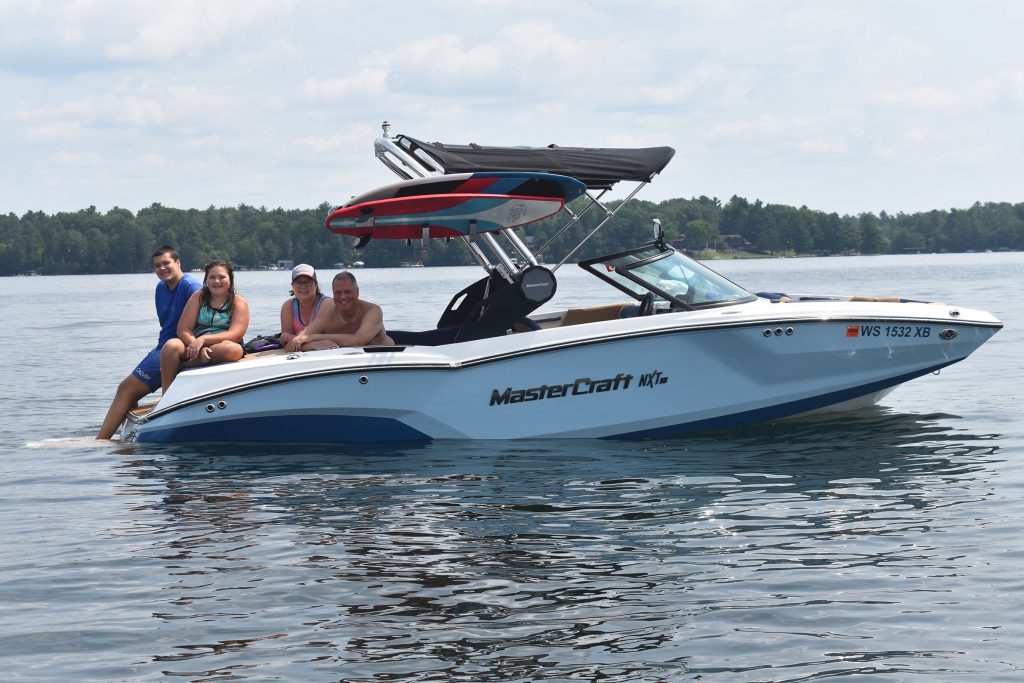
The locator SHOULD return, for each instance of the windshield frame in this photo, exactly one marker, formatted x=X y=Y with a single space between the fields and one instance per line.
x=625 y=270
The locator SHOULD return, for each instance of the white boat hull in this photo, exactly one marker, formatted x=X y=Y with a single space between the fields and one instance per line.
x=659 y=375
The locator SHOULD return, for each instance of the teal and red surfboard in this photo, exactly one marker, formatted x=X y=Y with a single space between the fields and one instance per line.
x=439 y=215
x=454 y=205
x=512 y=183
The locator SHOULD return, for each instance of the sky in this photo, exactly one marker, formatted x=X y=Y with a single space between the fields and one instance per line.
x=847 y=106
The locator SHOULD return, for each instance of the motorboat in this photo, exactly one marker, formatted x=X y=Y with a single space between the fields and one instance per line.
x=686 y=349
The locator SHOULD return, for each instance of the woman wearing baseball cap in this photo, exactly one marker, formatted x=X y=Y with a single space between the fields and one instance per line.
x=301 y=308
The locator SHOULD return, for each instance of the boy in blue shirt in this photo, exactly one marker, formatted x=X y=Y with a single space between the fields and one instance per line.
x=172 y=293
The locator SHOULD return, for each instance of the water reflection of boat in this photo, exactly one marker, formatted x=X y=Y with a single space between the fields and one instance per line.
x=818 y=523
x=686 y=350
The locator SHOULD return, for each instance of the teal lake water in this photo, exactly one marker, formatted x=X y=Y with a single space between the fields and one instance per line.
x=887 y=543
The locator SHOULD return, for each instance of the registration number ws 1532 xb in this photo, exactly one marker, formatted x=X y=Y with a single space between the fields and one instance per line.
x=902 y=331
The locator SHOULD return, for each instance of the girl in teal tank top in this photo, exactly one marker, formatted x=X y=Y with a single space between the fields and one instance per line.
x=211 y=326
x=212 y=320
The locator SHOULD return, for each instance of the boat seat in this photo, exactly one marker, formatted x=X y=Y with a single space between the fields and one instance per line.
x=438 y=337
x=503 y=309
x=593 y=314
x=446 y=335
x=490 y=307
x=526 y=325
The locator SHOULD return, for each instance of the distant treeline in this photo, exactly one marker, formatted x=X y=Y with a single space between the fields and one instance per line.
x=119 y=241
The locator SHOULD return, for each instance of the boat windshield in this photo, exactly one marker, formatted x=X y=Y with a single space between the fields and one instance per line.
x=669 y=274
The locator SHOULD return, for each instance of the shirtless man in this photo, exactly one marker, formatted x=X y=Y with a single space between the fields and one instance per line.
x=349 y=321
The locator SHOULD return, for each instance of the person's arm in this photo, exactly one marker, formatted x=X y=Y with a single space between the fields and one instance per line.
x=313 y=328
x=239 y=320
x=287 y=324
x=369 y=328
x=186 y=323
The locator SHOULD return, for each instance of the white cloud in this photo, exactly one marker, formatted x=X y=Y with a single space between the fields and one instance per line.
x=53 y=131
x=367 y=82
x=77 y=160
x=925 y=97
x=787 y=138
x=186 y=28
x=521 y=60
x=356 y=135
x=822 y=148
x=445 y=61
x=154 y=161
x=920 y=134
x=110 y=109
x=763 y=127
x=132 y=105
x=973 y=153
x=687 y=85
x=1004 y=85
x=59 y=38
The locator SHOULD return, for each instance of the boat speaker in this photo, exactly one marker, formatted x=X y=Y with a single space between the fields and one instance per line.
x=537 y=285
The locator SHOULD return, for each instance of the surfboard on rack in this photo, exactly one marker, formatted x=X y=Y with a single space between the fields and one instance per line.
x=439 y=215
x=511 y=183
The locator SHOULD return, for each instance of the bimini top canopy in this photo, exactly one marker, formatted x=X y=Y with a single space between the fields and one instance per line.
x=598 y=168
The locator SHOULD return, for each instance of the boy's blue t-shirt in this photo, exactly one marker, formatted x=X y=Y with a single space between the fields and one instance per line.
x=170 y=303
